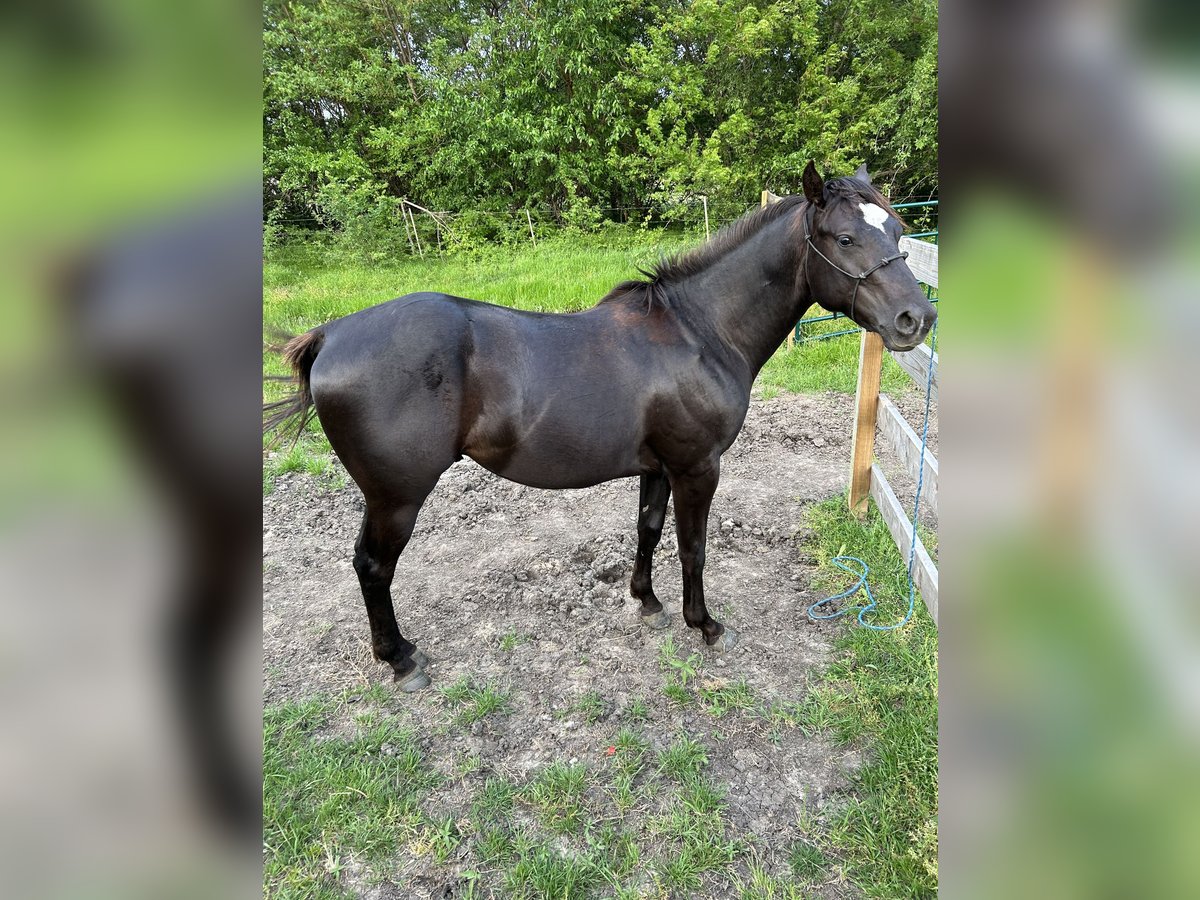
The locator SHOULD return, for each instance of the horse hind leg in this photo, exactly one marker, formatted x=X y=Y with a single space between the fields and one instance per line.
x=652 y=512
x=384 y=535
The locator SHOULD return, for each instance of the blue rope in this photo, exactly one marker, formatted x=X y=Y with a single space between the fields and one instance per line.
x=862 y=575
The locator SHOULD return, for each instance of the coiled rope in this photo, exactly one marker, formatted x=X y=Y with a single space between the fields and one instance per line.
x=864 y=572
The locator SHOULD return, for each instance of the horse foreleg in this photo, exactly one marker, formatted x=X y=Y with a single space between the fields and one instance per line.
x=383 y=537
x=693 y=497
x=652 y=512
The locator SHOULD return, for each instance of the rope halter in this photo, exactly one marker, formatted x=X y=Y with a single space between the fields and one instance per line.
x=858 y=279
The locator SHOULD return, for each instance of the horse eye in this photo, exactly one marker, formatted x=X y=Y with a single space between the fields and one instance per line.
x=845 y=240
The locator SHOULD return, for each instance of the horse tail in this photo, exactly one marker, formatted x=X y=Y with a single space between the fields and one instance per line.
x=296 y=410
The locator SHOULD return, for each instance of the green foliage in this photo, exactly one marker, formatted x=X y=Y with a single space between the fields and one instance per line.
x=581 y=111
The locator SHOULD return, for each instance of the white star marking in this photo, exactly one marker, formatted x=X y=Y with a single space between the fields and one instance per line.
x=874 y=214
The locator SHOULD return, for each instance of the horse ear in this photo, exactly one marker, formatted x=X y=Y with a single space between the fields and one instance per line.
x=861 y=174
x=814 y=186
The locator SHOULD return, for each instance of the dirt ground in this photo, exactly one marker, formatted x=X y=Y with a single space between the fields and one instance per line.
x=491 y=558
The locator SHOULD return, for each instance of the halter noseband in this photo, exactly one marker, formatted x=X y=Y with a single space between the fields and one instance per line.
x=858 y=279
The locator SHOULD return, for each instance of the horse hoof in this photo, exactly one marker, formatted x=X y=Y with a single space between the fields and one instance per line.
x=419 y=658
x=725 y=641
x=658 y=620
x=413 y=681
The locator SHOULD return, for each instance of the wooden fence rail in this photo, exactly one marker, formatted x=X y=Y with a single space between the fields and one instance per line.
x=871 y=411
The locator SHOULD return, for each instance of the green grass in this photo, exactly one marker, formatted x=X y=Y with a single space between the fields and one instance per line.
x=557 y=796
x=829 y=365
x=301 y=289
x=807 y=862
x=684 y=669
x=638 y=710
x=761 y=885
x=718 y=699
x=632 y=822
x=511 y=640
x=326 y=801
x=542 y=873
x=472 y=701
x=684 y=759
x=881 y=692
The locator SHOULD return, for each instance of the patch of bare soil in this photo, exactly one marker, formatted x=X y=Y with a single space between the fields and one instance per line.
x=491 y=558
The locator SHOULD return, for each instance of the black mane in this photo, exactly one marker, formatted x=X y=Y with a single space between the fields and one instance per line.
x=649 y=292
x=675 y=268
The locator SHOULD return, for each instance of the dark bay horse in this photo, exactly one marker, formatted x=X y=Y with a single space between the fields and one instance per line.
x=654 y=382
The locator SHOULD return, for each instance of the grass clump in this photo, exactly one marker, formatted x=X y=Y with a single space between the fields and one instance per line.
x=473 y=701
x=545 y=874
x=591 y=705
x=719 y=698
x=683 y=760
x=557 y=796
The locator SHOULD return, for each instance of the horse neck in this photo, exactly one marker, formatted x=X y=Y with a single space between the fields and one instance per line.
x=752 y=296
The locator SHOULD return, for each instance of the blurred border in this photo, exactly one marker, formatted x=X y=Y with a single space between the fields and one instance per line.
x=130 y=164
x=1070 y=639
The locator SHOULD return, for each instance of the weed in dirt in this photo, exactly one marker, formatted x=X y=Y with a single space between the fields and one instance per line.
x=474 y=701
x=629 y=751
x=683 y=668
x=619 y=851
x=592 y=705
x=718 y=698
x=684 y=759
x=511 y=640
x=545 y=874
x=557 y=796
x=638 y=710
x=495 y=846
x=623 y=795
x=467 y=763
x=677 y=693
x=439 y=839
x=815 y=712
x=696 y=825
x=380 y=694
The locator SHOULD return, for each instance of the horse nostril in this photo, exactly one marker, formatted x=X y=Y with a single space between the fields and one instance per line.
x=907 y=323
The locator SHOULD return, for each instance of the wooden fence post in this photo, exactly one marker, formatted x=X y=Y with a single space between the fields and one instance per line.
x=413 y=219
x=408 y=234
x=529 y=219
x=705 y=200
x=866 y=408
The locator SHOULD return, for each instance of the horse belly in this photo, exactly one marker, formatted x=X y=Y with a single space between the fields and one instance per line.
x=560 y=454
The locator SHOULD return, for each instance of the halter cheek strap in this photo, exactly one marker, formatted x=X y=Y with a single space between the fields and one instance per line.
x=858 y=279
